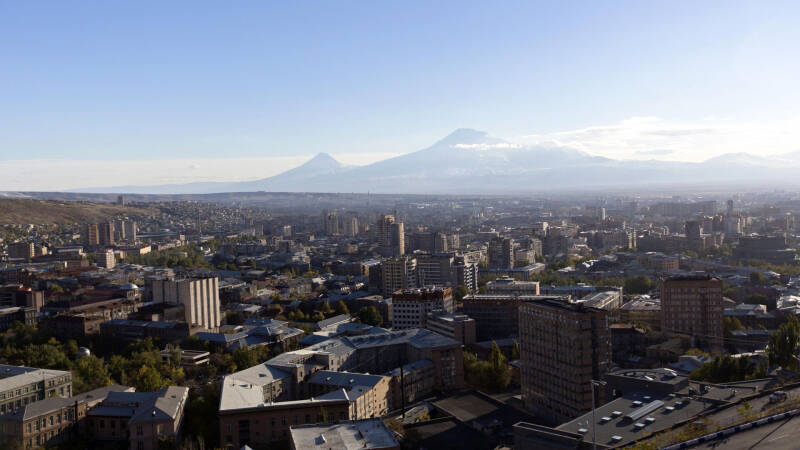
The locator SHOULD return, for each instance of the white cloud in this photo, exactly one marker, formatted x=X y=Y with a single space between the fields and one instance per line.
x=656 y=138
x=496 y=146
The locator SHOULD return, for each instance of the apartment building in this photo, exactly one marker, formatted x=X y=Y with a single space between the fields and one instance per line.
x=563 y=346
x=410 y=307
x=692 y=305
x=20 y=386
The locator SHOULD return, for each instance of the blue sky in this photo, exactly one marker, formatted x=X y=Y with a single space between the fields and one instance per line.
x=120 y=81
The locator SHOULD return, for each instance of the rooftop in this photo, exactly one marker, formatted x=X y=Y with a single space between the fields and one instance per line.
x=360 y=434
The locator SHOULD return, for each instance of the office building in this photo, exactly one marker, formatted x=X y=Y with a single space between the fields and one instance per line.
x=563 y=346
x=410 y=307
x=692 y=305
x=350 y=225
x=331 y=222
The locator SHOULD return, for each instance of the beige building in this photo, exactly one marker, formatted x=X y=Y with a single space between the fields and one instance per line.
x=563 y=346
x=105 y=258
x=199 y=296
x=459 y=327
x=510 y=286
x=141 y=418
x=20 y=386
x=398 y=274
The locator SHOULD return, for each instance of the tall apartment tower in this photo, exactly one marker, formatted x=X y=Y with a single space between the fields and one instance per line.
x=410 y=307
x=350 y=225
x=129 y=230
x=331 y=223
x=398 y=274
x=398 y=244
x=501 y=253
x=106 y=233
x=105 y=258
x=385 y=230
x=199 y=296
x=693 y=305
x=91 y=235
x=563 y=347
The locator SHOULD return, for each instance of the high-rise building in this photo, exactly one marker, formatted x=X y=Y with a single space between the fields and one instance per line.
x=563 y=347
x=129 y=230
x=398 y=273
x=693 y=305
x=350 y=225
x=410 y=307
x=331 y=222
x=384 y=230
x=91 y=235
x=398 y=243
x=22 y=250
x=199 y=296
x=501 y=253
x=106 y=233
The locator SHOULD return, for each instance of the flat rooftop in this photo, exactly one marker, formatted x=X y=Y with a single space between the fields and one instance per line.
x=357 y=434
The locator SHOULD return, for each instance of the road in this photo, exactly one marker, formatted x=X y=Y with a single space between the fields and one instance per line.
x=783 y=435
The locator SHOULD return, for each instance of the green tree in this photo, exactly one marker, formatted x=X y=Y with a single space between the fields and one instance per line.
x=756 y=278
x=341 y=308
x=460 y=292
x=731 y=324
x=370 y=316
x=761 y=299
x=148 y=379
x=640 y=284
x=782 y=348
x=500 y=373
x=515 y=351
x=90 y=373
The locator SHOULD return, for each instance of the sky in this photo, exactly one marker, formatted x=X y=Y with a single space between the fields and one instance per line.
x=118 y=93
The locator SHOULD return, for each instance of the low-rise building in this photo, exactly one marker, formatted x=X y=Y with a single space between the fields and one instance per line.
x=459 y=327
x=349 y=435
x=20 y=386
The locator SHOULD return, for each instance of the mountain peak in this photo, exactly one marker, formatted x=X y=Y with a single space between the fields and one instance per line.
x=322 y=161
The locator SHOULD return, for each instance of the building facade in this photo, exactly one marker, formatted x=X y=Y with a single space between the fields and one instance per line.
x=692 y=305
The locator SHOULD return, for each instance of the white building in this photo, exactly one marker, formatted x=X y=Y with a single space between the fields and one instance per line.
x=199 y=296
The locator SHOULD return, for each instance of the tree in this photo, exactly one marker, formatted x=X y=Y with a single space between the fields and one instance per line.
x=515 y=351
x=731 y=324
x=640 y=284
x=500 y=372
x=460 y=292
x=782 y=348
x=148 y=379
x=370 y=316
x=341 y=308
x=756 y=278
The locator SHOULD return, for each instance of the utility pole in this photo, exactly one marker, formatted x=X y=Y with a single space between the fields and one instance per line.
x=593 y=384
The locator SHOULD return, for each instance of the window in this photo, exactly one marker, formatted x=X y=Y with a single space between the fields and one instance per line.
x=139 y=430
x=102 y=423
x=28 y=427
x=139 y=445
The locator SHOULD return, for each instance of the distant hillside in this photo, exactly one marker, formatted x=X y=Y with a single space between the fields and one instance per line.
x=45 y=211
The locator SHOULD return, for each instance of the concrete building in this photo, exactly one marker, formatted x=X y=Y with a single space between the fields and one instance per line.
x=91 y=235
x=349 y=435
x=459 y=327
x=200 y=297
x=140 y=418
x=398 y=245
x=641 y=310
x=20 y=386
x=105 y=258
x=22 y=250
x=350 y=225
x=510 y=286
x=563 y=346
x=398 y=274
x=496 y=316
x=52 y=421
x=692 y=305
x=501 y=253
x=369 y=394
x=106 y=233
x=410 y=307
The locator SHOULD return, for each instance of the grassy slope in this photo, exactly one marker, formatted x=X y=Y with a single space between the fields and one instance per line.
x=44 y=211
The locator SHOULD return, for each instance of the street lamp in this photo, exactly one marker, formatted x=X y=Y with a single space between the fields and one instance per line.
x=594 y=383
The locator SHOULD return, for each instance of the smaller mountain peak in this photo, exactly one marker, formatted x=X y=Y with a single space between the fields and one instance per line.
x=466 y=134
x=323 y=156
